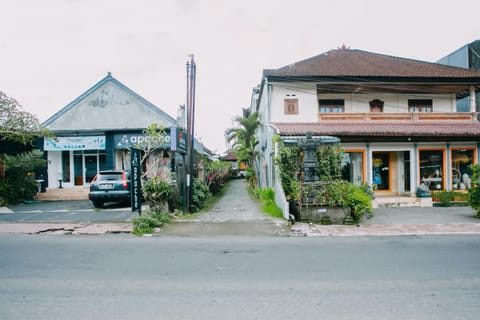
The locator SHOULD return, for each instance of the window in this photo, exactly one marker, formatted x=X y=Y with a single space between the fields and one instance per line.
x=431 y=168
x=352 y=170
x=376 y=105
x=331 y=105
x=461 y=171
x=420 y=105
x=291 y=106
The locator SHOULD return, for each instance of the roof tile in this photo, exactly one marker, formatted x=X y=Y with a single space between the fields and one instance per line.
x=376 y=128
x=358 y=63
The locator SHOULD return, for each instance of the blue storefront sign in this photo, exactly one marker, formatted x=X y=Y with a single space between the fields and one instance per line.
x=74 y=143
x=174 y=139
x=139 y=140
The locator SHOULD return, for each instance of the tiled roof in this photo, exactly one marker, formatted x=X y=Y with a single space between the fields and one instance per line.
x=382 y=129
x=358 y=63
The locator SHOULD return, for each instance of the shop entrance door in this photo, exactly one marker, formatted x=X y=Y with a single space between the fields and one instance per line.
x=90 y=167
x=381 y=171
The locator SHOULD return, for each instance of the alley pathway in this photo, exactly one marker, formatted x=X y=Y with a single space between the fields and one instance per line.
x=235 y=205
x=235 y=213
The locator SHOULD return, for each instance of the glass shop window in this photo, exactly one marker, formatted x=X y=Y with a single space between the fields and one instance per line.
x=431 y=168
x=461 y=171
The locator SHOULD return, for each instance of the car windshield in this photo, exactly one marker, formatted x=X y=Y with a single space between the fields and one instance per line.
x=111 y=176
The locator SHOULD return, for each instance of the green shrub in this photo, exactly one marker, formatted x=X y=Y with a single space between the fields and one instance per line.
x=267 y=195
x=460 y=196
x=444 y=197
x=157 y=193
x=289 y=160
x=147 y=223
x=344 y=195
x=200 y=193
x=474 y=191
x=18 y=184
x=359 y=201
x=330 y=162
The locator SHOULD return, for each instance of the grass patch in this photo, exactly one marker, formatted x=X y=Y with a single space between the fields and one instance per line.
x=272 y=210
x=267 y=196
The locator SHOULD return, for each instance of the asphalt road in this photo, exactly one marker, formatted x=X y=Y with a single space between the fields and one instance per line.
x=124 y=277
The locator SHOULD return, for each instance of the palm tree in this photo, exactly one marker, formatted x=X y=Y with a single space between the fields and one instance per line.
x=242 y=137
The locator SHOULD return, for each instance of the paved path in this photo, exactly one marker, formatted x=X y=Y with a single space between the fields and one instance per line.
x=235 y=213
x=235 y=205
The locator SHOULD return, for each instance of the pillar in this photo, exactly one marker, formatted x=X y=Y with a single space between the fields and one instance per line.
x=473 y=102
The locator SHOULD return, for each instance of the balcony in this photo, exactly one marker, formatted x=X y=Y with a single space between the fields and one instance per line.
x=395 y=117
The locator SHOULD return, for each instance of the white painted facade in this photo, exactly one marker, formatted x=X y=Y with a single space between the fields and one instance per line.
x=308 y=105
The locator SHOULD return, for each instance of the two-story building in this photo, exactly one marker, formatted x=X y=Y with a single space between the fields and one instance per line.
x=396 y=118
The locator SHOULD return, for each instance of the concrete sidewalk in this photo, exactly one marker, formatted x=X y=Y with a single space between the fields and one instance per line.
x=401 y=221
x=66 y=228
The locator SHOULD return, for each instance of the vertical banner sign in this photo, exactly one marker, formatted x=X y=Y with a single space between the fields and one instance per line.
x=136 y=185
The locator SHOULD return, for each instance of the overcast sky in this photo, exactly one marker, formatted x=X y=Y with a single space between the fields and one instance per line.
x=51 y=51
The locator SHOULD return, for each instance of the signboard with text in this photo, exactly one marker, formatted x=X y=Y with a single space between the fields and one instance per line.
x=136 y=181
x=74 y=143
x=132 y=140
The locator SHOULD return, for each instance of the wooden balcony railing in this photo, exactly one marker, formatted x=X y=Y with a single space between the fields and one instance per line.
x=405 y=116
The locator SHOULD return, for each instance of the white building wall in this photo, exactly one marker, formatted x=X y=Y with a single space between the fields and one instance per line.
x=307 y=102
x=54 y=168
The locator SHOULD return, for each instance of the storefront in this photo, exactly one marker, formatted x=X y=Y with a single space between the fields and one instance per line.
x=74 y=161
x=96 y=130
x=401 y=169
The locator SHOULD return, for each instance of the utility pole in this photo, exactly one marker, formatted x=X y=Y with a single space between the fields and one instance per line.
x=191 y=74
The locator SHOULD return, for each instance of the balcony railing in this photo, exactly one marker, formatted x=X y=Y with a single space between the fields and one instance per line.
x=404 y=116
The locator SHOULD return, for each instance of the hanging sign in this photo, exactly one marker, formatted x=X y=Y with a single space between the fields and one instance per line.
x=178 y=140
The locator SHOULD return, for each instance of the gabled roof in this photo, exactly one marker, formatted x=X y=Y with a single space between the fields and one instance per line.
x=383 y=129
x=108 y=105
x=354 y=63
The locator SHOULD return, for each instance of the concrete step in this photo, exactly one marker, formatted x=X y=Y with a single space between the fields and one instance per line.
x=394 y=202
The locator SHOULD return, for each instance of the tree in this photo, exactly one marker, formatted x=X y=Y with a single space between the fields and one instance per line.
x=242 y=136
x=16 y=124
x=154 y=138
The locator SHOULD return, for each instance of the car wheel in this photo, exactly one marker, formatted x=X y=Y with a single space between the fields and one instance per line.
x=98 y=204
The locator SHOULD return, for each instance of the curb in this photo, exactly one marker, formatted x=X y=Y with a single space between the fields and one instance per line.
x=312 y=230
x=66 y=228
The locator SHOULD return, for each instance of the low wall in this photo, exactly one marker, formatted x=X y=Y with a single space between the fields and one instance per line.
x=280 y=199
x=315 y=214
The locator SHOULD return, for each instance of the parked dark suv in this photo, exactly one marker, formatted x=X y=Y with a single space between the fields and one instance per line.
x=110 y=186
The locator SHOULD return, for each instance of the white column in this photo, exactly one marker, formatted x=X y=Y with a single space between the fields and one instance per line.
x=473 y=104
